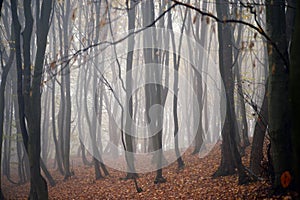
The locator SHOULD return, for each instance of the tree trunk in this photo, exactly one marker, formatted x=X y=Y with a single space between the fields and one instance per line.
x=53 y=112
x=260 y=129
x=295 y=99
x=66 y=71
x=128 y=105
x=230 y=156
x=4 y=74
x=279 y=116
x=32 y=94
x=199 y=137
x=176 y=62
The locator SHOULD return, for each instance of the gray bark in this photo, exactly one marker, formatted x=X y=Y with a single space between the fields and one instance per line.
x=128 y=106
x=230 y=156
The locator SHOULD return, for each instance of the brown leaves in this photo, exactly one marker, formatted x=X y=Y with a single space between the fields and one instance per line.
x=255 y=35
x=53 y=65
x=74 y=14
x=193 y=182
x=102 y=22
x=251 y=45
x=207 y=20
x=195 y=19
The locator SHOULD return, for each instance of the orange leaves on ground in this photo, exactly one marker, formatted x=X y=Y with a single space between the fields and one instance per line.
x=193 y=182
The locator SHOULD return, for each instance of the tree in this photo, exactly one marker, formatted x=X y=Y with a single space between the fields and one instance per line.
x=294 y=86
x=128 y=106
x=153 y=91
x=5 y=70
x=31 y=95
x=65 y=106
x=202 y=30
x=230 y=156
x=260 y=129
x=58 y=153
x=279 y=116
x=176 y=61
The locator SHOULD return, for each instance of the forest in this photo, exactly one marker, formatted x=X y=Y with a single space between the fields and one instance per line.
x=149 y=99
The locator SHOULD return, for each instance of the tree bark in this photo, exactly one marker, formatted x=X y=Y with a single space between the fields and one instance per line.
x=32 y=94
x=4 y=74
x=256 y=156
x=231 y=158
x=279 y=116
x=295 y=99
x=128 y=106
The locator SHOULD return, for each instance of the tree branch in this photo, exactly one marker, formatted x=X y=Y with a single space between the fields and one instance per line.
x=258 y=28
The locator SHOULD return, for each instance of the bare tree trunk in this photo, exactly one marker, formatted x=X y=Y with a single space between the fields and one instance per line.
x=260 y=129
x=4 y=74
x=32 y=90
x=295 y=97
x=45 y=127
x=176 y=61
x=66 y=73
x=56 y=143
x=242 y=125
x=128 y=106
x=279 y=115
x=198 y=83
x=230 y=156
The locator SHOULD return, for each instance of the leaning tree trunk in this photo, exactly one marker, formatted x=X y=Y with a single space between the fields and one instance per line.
x=256 y=156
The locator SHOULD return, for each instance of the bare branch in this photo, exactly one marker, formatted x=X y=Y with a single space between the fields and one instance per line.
x=257 y=28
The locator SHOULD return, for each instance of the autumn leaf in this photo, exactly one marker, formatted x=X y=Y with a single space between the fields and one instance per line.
x=251 y=45
x=102 y=22
x=207 y=20
x=74 y=14
x=255 y=35
x=53 y=65
x=195 y=19
x=243 y=45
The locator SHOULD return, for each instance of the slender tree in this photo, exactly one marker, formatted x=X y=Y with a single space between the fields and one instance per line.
x=128 y=106
x=230 y=156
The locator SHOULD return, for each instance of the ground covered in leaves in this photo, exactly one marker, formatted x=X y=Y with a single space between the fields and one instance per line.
x=193 y=182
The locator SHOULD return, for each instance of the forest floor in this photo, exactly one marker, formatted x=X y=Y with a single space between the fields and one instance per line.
x=193 y=182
